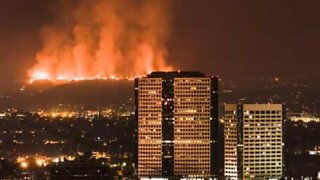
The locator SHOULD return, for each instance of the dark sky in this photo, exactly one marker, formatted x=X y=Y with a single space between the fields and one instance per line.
x=233 y=39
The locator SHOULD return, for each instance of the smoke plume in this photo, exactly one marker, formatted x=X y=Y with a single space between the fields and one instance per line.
x=104 y=38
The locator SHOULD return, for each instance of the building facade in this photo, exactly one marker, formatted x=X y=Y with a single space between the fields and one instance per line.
x=254 y=141
x=177 y=118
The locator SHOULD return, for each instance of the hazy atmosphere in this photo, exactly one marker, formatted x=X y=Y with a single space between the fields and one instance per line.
x=218 y=37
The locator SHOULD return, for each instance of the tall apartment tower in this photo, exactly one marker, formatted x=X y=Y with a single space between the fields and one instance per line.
x=177 y=118
x=254 y=141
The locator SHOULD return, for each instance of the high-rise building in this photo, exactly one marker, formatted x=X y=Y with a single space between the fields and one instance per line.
x=177 y=118
x=254 y=141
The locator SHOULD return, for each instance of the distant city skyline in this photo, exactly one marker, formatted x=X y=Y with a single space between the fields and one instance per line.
x=140 y=89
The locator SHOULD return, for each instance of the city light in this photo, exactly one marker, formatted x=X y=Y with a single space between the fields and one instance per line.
x=40 y=162
x=159 y=89
x=24 y=164
x=55 y=160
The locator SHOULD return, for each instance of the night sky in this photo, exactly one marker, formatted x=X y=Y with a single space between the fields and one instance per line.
x=233 y=39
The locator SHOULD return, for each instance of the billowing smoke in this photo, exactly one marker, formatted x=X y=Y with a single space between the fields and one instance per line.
x=103 y=39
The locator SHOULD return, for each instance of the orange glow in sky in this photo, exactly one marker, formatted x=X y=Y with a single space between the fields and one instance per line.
x=100 y=41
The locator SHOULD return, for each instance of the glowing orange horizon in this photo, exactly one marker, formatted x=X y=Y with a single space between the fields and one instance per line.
x=61 y=79
x=40 y=75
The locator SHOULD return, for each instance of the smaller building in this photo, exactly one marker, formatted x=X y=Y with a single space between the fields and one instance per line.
x=253 y=136
x=304 y=117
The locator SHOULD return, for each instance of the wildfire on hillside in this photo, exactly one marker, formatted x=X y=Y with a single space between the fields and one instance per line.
x=103 y=39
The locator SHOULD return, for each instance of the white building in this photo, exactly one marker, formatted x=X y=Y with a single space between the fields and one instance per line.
x=254 y=141
x=304 y=117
